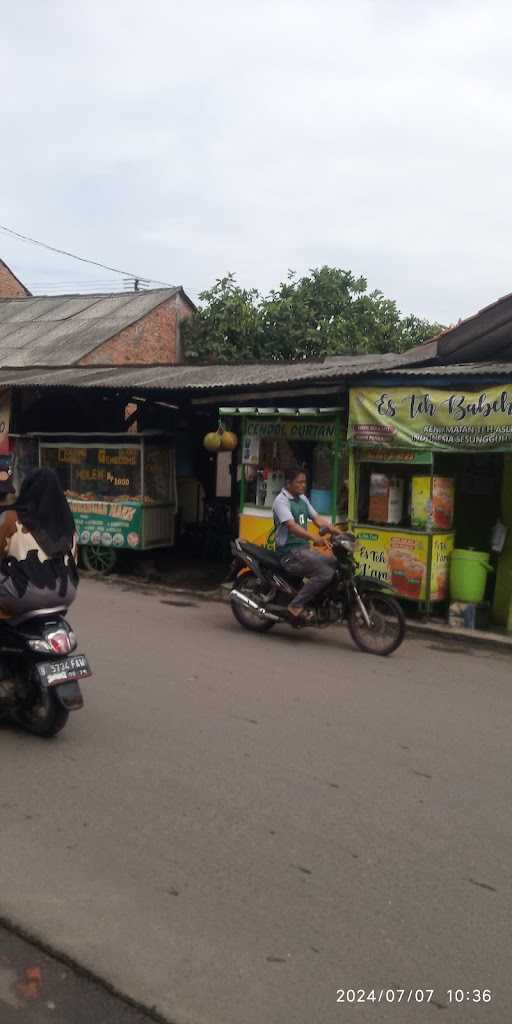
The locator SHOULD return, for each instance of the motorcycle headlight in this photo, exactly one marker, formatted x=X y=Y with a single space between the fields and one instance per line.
x=346 y=541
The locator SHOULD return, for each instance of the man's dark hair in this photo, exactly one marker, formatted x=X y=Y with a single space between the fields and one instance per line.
x=292 y=472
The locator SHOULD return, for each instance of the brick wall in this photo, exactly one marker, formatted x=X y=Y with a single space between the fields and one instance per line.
x=10 y=287
x=153 y=339
x=184 y=310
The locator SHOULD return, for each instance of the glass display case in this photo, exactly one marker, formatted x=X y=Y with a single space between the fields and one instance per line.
x=122 y=492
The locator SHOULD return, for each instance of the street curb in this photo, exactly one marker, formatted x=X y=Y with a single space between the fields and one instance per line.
x=417 y=629
x=473 y=637
x=219 y=594
x=155 y=585
x=46 y=947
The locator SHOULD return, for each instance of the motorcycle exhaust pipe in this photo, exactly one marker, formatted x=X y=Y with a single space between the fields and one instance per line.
x=236 y=595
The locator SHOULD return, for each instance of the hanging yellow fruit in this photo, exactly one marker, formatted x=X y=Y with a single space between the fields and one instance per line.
x=228 y=441
x=212 y=442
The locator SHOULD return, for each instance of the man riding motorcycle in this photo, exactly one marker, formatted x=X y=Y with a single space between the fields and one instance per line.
x=291 y=511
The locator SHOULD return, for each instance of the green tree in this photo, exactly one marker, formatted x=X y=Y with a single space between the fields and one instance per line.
x=327 y=312
x=226 y=327
x=414 y=331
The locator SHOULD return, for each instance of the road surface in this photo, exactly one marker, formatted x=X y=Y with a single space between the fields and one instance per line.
x=237 y=826
x=37 y=989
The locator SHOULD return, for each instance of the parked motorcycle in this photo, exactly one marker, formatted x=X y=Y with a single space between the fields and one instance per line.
x=40 y=671
x=262 y=590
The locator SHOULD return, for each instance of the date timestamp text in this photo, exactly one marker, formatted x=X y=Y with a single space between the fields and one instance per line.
x=450 y=996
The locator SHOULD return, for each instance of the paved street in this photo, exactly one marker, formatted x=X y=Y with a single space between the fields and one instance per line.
x=237 y=826
x=37 y=989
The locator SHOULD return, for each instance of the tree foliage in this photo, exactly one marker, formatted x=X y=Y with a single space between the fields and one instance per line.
x=327 y=312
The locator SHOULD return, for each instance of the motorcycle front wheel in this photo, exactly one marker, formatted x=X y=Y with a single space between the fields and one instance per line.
x=248 y=583
x=386 y=630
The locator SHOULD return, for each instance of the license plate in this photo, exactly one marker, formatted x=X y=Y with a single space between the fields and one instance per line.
x=51 y=673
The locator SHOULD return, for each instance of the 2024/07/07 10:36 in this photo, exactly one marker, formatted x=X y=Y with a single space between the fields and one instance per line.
x=450 y=997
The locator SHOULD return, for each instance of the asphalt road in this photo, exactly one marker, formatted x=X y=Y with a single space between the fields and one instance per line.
x=236 y=826
x=37 y=989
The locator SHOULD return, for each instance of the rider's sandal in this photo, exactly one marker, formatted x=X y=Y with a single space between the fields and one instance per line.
x=304 y=618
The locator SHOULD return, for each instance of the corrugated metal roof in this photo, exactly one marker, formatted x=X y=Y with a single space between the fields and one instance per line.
x=457 y=370
x=220 y=379
x=60 y=330
x=200 y=378
x=483 y=334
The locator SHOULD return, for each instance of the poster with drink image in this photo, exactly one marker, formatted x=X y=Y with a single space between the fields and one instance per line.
x=435 y=512
x=408 y=558
x=442 y=547
x=401 y=560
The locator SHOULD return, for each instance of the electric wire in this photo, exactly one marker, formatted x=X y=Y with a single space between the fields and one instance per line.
x=82 y=259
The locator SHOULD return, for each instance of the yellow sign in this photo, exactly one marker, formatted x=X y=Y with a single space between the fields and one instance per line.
x=432 y=509
x=119 y=456
x=442 y=547
x=400 y=560
x=416 y=417
x=72 y=456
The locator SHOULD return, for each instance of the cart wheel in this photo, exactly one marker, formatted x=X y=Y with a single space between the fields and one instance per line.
x=94 y=558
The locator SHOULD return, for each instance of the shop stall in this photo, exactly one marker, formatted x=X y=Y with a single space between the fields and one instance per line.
x=121 y=489
x=426 y=483
x=402 y=516
x=271 y=440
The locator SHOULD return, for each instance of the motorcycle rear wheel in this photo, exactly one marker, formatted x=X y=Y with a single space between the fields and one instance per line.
x=45 y=718
x=387 y=624
x=248 y=583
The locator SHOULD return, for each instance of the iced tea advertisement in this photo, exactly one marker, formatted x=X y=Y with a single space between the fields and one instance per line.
x=400 y=560
x=417 y=417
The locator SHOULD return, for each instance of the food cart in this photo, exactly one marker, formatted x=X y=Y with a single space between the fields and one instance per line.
x=401 y=513
x=121 y=489
x=273 y=439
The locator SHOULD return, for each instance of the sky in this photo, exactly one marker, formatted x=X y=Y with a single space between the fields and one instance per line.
x=181 y=141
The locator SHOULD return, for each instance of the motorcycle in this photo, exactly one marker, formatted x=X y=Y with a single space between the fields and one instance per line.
x=40 y=671
x=262 y=590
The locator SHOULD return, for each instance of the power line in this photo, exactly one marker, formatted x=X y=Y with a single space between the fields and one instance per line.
x=82 y=291
x=83 y=259
x=116 y=287
x=95 y=280
x=101 y=285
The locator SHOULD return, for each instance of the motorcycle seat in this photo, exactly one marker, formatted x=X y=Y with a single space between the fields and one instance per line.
x=16 y=620
x=270 y=558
